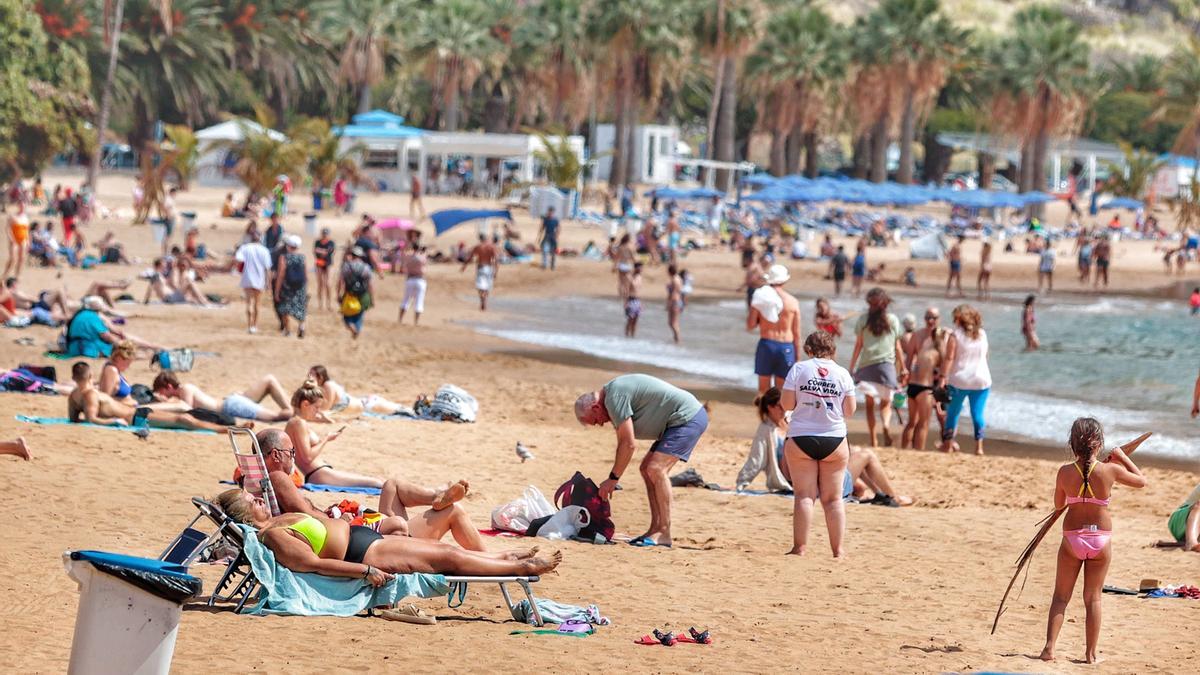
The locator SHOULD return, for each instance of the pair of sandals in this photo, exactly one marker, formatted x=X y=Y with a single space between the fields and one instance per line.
x=669 y=639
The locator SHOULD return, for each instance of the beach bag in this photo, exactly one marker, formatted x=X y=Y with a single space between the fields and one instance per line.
x=356 y=284
x=582 y=491
x=44 y=372
x=453 y=404
x=517 y=515
x=562 y=525
x=293 y=274
x=351 y=306
x=25 y=382
x=178 y=360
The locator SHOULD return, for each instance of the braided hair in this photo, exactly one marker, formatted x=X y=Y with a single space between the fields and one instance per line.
x=1087 y=437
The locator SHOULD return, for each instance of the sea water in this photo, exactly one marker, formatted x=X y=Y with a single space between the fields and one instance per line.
x=1129 y=362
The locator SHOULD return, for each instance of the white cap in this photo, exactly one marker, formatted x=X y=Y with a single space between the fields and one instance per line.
x=292 y=241
x=777 y=275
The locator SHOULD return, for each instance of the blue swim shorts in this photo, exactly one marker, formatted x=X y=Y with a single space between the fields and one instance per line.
x=681 y=440
x=774 y=358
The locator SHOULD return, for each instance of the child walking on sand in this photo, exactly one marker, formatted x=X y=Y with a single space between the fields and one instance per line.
x=1084 y=487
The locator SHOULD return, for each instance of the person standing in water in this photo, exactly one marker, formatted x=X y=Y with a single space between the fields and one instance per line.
x=837 y=269
x=984 y=284
x=878 y=346
x=1029 y=325
x=485 y=257
x=954 y=277
x=1103 y=253
x=1084 y=489
x=858 y=270
x=633 y=302
x=924 y=356
x=778 y=339
x=674 y=301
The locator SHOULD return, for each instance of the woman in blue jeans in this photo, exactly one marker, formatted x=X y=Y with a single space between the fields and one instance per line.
x=969 y=378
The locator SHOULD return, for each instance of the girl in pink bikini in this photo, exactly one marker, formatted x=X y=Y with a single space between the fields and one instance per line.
x=1083 y=488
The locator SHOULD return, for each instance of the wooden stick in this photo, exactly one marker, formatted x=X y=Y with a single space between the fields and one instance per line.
x=1047 y=523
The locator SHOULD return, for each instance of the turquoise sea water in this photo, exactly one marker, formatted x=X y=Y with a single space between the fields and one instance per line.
x=1129 y=362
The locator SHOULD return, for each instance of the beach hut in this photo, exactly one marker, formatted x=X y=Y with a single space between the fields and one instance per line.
x=655 y=152
x=515 y=152
x=392 y=152
x=214 y=168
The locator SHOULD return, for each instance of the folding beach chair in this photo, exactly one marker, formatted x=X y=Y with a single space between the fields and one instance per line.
x=254 y=468
x=458 y=593
x=238 y=577
x=190 y=544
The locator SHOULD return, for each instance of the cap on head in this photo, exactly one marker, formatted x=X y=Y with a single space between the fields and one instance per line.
x=358 y=252
x=292 y=241
x=777 y=275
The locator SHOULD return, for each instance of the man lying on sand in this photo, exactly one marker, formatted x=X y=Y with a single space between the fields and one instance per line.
x=444 y=516
x=88 y=404
x=243 y=405
x=333 y=547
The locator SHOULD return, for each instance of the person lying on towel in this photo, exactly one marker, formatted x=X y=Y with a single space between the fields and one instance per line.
x=333 y=547
x=88 y=404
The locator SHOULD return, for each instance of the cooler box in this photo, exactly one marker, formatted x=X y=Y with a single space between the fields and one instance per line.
x=129 y=611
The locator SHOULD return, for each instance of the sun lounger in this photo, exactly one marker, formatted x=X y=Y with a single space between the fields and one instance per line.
x=190 y=544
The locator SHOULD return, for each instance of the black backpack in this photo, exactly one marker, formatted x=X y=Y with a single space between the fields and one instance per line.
x=356 y=284
x=293 y=273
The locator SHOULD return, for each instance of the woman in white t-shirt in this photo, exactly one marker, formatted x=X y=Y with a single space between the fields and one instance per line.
x=969 y=376
x=820 y=394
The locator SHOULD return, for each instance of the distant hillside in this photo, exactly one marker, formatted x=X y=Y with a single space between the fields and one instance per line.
x=1111 y=26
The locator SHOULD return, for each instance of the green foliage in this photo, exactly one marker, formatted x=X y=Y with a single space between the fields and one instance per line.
x=326 y=159
x=1129 y=116
x=560 y=162
x=262 y=158
x=42 y=93
x=1130 y=177
x=184 y=152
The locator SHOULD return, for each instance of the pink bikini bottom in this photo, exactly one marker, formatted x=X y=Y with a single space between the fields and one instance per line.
x=1087 y=543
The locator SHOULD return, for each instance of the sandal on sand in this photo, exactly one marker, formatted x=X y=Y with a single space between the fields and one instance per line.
x=660 y=638
x=409 y=614
x=695 y=637
x=644 y=542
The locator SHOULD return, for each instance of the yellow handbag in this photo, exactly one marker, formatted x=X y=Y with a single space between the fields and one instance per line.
x=351 y=306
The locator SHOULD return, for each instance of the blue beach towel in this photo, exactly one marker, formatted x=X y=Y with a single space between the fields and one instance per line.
x=284 y=592
x=318 y=487
x=63 y=420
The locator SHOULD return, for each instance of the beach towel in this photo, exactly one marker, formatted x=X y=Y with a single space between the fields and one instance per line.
x=358 y=490
x=63 y=420
x=449 y=404
x=557 y=612
x=284 y=592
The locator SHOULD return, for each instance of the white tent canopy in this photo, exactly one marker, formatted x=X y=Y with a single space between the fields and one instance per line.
x=928 y=247
x=231 y=130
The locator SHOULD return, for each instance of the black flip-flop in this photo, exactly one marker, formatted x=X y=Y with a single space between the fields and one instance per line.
x=881 y=499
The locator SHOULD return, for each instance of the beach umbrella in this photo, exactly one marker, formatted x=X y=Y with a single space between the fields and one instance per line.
x=704 y=193
x=759 y=180
x=1122 y=203
x=1037 y=197
x=772 y=193
x=444 y=220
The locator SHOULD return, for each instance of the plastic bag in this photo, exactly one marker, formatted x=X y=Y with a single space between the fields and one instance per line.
x=516 y=515
x=566 y=523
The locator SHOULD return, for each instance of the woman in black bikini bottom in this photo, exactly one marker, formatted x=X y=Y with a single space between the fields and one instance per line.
x=818 y=447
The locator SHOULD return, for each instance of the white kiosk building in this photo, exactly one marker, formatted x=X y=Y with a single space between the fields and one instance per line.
x=656 y=149
x=392 y=152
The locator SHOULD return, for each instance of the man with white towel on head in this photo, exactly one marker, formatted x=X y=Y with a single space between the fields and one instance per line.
x=776 y=314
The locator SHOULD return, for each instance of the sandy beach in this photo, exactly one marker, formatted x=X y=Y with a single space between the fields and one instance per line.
x=916 y=593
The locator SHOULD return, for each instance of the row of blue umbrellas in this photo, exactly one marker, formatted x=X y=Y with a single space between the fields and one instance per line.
x=795 y=189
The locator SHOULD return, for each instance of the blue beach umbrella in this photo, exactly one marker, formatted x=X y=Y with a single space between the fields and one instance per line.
x=1122 y=203
x=444 y=220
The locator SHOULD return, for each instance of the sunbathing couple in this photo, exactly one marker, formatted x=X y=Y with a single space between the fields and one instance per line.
x=88 y=404
x=305 y=539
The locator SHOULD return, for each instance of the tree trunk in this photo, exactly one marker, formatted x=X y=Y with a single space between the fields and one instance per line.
x=986 y=162
x=908 y=123
x=714 y=107
x=560 y=96
x=811 y=161
x=1025 y=170
x=779 y=143
x=862 y=150
x=93 y=174
x=495 y=112
x=879 y=148
x=616 y=174
x=632 y=161
x=1041 y=145
x=364 y=98
x=452 y=96
x=726 y=125
x=937 y=158
x=795 y=148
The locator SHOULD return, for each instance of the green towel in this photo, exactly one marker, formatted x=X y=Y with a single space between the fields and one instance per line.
x=285 y=592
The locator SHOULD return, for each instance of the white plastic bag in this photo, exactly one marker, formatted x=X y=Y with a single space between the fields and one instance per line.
x=516 y=515
x=566 y=523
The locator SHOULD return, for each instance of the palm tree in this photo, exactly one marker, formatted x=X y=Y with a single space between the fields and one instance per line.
x=261 y=157
x=1130 y=177
x=560 y=162
x=455 y=37
x=643 y=46
x=794 y=72
x=367 y=36
x=174 y=63
x=726 y=31
x=1181 y=98
x=1042 y=71
x=554 y=33
x=184 y=152
x=326 y=158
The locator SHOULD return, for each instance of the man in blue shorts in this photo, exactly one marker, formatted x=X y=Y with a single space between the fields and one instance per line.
x=642 y=407
x=778 y=324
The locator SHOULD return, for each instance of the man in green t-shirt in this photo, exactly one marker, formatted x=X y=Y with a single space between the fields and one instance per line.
x=642 y=407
